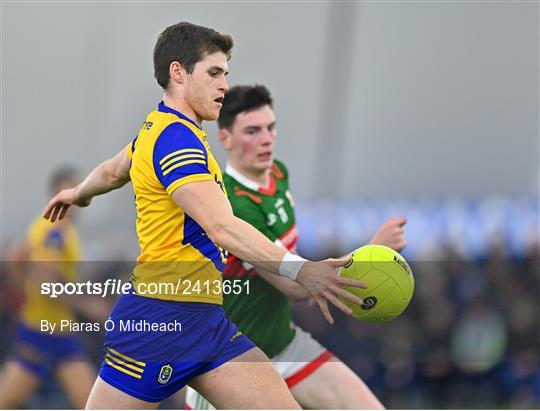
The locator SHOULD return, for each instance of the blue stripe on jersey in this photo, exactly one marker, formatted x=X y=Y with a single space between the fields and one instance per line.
x=177 y=137
x=195 y=235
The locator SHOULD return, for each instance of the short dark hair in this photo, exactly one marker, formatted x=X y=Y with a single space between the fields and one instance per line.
x=240 y=99
x=187 y=44
x=59 y=176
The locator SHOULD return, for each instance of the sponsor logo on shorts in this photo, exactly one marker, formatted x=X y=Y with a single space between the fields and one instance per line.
x=235 y=336
x=165 y=374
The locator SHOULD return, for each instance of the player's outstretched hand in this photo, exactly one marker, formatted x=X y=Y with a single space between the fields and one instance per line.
x=391 y=234
x=60 y=203
x=320 y=279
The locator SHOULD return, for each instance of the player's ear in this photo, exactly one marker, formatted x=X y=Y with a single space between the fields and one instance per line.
x=224 y=136
x=177 y=72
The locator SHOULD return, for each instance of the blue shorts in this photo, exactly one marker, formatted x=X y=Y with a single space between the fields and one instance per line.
x=188 y=339
x=40 y=353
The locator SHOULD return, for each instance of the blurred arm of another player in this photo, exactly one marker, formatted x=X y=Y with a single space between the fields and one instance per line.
x=391 y=234
x=16 y=261
x=208 y=206
x=109 y=175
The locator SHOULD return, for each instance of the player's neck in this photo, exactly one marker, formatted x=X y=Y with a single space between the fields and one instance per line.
x=262 y=178
x=176 y=102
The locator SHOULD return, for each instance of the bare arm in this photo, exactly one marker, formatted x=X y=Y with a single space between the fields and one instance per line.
x=391 y=234
x=291 y=289
x=16 y=263
x=18 y=252
x=208 y=206
x=109 y=175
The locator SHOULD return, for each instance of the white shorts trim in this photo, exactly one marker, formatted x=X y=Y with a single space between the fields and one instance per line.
x=302 y=350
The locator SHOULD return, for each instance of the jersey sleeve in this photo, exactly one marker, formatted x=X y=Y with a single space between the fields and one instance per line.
x=130 y=148
x=279 y=170
x=180 y=158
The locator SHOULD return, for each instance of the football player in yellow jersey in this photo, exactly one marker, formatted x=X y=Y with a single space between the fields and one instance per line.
x=52 y=251
x=184 y=224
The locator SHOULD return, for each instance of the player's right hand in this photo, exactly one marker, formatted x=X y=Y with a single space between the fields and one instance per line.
x=391 y=234
x=60 y=203
x=321 y=280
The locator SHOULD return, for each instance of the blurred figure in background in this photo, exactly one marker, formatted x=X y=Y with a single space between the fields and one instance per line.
x=50 y=252
x=258 y=189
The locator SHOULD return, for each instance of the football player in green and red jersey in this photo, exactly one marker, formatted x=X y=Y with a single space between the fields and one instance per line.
x=258 y=188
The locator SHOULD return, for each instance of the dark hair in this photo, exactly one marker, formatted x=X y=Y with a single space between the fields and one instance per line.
x=240 y=99
x=59 y=176
x=187 y=44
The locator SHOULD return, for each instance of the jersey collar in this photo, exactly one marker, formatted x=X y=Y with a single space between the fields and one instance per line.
x=166 y=109
x=252 y=185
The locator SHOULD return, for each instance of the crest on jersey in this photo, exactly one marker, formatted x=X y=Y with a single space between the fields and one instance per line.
x=165 y=374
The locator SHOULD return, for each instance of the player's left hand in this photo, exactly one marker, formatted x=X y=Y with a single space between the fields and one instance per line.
x=391 y=234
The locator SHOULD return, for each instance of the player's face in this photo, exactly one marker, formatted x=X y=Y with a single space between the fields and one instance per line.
x=252 y=139
x=205 y=87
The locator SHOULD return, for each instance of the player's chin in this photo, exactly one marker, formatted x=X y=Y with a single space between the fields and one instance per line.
x=212 y=115
x=263 y=164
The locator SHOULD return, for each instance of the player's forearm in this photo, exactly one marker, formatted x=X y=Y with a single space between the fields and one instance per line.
x=291 y=289
x=104 y=178
x=208 y=206
x=248 y=244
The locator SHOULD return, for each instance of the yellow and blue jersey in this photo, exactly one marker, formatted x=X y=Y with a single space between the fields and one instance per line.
x=169 y=152
x=56 y=246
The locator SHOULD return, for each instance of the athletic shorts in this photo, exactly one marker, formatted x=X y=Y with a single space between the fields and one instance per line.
x=154 y=347
x=40 y=352
x=290 y=363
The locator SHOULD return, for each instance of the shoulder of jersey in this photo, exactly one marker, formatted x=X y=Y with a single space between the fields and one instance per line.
x=240 y=193
x=161 y=121
x=41 y=225
x=237 y=193
x=279 y=170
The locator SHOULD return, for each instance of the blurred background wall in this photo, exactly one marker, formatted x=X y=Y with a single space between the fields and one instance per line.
x=381 y=100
